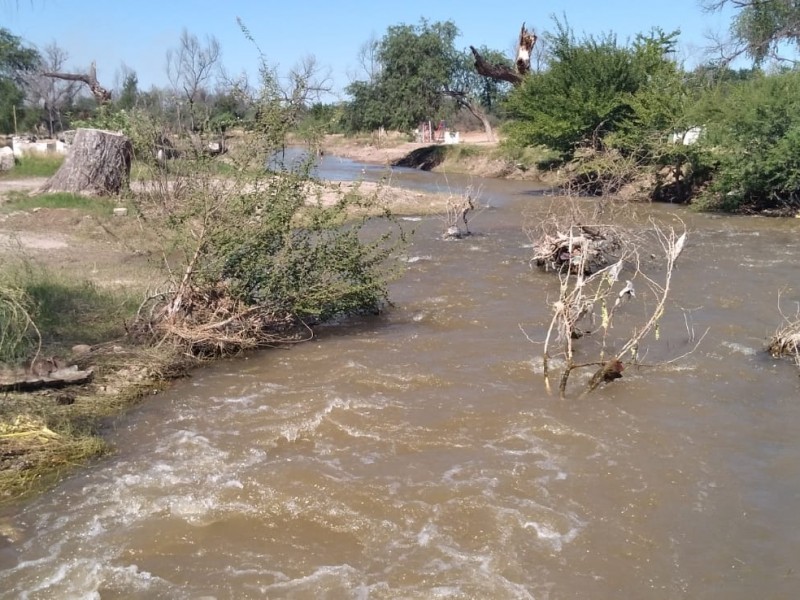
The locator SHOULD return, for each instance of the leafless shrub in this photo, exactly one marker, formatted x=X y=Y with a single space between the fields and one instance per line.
x=457 y=214
x=786 y=340
x=599 y=269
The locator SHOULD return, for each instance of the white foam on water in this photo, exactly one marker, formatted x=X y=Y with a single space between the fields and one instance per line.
x=426 y=533
x=329 y=581
x=551 y=536
x=356 y=432
x=291 y=433
x=415 y=259
x=740 y=348
x=246 y=400
x=85 y=579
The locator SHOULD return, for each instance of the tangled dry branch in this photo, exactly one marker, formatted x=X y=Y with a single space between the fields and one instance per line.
x=210 y=321
x=458 y=212
x=786 y=340
x=590 y=262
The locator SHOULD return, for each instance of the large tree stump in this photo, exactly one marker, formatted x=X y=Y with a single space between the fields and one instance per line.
x=98 y=164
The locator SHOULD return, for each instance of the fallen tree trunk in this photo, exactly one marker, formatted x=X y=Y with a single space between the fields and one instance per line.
x=98 y=164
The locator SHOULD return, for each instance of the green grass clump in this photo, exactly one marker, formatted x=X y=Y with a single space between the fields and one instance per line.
x=18 y=335
x=72 y=312
x=529 y=157
x=65 y=312
x=22 y=201
x=35 y=165
x=462 y=151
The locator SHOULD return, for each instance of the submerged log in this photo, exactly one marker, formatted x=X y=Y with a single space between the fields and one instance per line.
x=98 y=164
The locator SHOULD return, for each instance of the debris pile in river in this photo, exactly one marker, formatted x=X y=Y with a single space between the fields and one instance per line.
x=786 y=341
x=457 y=213
x=210 y=321
x=579 y=247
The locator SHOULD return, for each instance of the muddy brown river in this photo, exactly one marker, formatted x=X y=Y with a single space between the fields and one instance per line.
x=418 y=455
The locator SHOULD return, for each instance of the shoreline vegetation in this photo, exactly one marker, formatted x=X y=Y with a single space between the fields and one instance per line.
x=73 y=280
x=84 y=282
x=474 y=155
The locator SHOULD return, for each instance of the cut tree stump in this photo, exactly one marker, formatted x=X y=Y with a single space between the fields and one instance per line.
x=98 y=164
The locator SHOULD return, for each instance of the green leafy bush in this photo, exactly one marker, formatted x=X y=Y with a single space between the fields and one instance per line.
x=582 y=96
x=260 y=251
x=751 y=141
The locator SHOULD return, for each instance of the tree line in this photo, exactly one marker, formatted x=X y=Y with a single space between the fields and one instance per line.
x=613 y=110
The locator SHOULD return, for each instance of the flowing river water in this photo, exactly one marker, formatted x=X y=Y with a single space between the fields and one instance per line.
x=418 y=454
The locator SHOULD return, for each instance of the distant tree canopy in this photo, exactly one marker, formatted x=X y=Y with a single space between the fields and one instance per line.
x=761 y=28
x=15 y=60
x=416 y=63
x=413 y=73
x=590 y=89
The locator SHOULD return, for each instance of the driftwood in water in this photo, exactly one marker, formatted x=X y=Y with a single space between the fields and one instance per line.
x=456 y=213
x=98 y=164
x=786 y=341
x=592 y=247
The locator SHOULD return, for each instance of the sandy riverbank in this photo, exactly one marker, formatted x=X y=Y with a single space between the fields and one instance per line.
x=389 y=149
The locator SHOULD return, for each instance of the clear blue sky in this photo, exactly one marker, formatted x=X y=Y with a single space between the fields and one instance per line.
x=139 y=33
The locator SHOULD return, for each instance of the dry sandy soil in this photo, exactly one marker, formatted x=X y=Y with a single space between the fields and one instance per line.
x=88 y=247
x=108 y=250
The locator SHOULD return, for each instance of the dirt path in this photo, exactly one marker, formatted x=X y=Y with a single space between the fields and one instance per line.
x=27 y=184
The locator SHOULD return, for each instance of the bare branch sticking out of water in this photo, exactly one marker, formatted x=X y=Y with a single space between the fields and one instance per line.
x=458 y=211
x=786 y=340
x=600 y=270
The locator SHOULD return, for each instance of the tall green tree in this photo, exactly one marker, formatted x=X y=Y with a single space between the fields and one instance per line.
x=751 y=142
x=367 y=109
x=15 y=60
x=129 y=92
x=415 y=66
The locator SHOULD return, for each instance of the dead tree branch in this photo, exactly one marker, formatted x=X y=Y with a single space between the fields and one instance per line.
x=786 y=340
x=101 y=94
x=598 y=267
x=500 y=72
